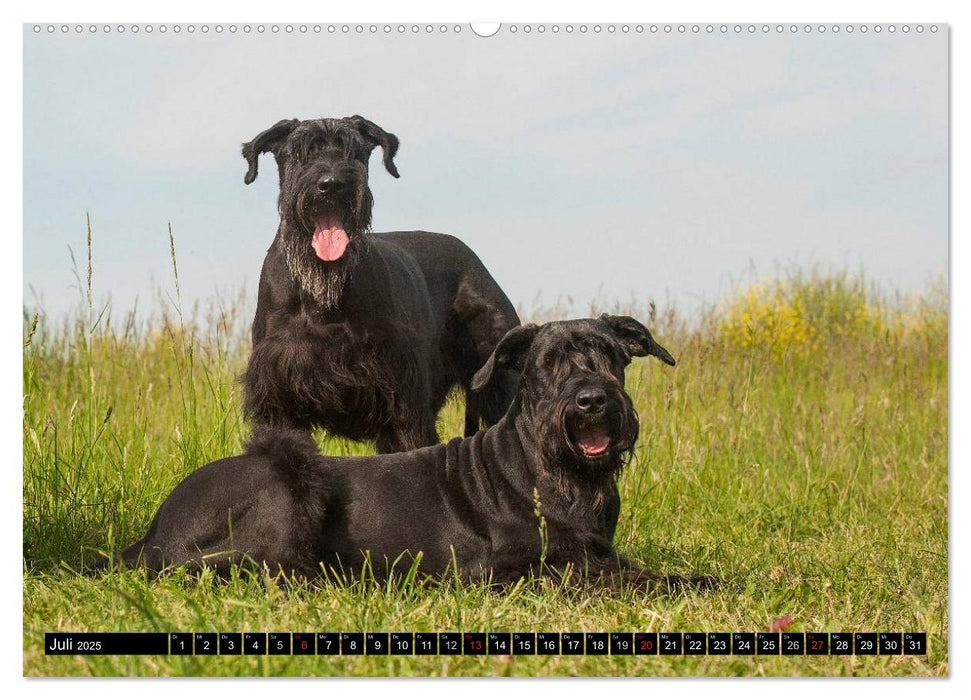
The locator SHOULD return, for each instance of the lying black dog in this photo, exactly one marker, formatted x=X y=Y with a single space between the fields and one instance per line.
x=468 y=504
x=358 y=333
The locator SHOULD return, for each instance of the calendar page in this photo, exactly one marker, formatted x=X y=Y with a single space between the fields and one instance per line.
x=514 y=349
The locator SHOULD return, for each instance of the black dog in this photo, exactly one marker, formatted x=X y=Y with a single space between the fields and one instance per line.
x=469 y=504
x=363 y=334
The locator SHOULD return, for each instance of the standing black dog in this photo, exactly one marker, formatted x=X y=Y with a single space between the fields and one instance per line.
x=363 y=334
x=469 y=504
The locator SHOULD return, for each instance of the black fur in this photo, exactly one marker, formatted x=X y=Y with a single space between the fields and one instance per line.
x=469 y=503
x=369 y=344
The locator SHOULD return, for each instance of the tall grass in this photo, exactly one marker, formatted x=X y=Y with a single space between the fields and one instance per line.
x=803 y=314
x=798 y=452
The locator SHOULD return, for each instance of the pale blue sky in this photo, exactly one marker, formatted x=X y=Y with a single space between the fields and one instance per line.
x=581 y=166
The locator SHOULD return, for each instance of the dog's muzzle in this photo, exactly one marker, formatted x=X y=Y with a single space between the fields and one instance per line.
x=597 y=423
x=326 y=216
x=590 y=434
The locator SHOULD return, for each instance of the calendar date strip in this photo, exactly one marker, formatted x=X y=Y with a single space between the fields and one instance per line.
x=486 y=643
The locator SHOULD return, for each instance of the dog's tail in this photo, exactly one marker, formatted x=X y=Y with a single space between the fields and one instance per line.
x=294 y=455
x=289 y=448
x=296 y=458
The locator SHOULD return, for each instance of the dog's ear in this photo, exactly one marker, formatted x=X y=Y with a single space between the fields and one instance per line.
x=376 y=136
x=269 y=140
x=509 y=353
x=635 y=338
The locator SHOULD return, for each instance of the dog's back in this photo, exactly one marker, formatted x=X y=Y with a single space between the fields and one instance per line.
x=453 y=272
x=471 y=314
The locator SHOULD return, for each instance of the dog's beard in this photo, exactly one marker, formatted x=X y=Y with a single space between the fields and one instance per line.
x=583 y=478
x=325 y=281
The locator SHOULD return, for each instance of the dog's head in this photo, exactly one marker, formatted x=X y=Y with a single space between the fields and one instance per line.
x=572 y=389
x=325 y=202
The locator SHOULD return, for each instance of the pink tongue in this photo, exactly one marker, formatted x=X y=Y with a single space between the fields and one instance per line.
x=330 y=240
x=593 y=442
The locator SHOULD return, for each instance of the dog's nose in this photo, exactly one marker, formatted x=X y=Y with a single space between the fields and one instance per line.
x=329 y=184
x=592 y=400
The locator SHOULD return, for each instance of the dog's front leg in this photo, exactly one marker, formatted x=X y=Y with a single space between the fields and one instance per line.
x=403 y=436
x=411 y=420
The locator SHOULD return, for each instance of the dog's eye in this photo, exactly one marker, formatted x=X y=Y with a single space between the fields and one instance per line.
x=549 y=362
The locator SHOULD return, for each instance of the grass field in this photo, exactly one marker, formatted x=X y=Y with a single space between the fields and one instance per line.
x=798 y=452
